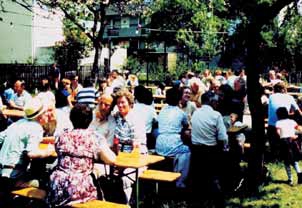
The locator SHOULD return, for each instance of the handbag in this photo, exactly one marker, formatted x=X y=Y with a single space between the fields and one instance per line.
x=111 y=187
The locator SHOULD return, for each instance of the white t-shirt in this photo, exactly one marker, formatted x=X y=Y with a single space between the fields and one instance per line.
x=287 y=128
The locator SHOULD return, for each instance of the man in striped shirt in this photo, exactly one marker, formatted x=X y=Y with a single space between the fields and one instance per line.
x=88 y=94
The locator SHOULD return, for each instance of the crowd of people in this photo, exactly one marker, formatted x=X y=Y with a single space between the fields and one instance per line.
x=87 y=120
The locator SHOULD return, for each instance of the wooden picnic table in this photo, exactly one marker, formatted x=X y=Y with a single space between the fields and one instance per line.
x=235 y=129
x=43 y=146
x=136 y=161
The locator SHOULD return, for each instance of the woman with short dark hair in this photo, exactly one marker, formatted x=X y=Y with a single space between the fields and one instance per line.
x=171 y=121
x=71 y=180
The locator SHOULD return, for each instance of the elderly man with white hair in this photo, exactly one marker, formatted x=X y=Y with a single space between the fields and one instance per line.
x=20 y=142
x=197 y=89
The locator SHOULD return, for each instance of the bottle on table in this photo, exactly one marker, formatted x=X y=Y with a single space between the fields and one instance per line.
x=116 y=146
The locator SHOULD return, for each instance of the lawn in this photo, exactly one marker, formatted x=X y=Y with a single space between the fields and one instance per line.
x=276 y=193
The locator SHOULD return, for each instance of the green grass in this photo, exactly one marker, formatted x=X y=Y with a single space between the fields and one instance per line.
x=276 y=193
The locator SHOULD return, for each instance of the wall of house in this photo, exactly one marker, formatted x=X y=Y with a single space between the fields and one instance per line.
x=16 y=34
x=28 y=37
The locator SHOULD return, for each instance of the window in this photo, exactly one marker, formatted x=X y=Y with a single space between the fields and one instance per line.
x=125 y=22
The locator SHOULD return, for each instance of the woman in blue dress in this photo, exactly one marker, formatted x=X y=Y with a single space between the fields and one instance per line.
x=171 y=121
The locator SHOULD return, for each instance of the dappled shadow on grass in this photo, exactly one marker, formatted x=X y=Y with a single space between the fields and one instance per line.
x=279 y=181
x=244 y=197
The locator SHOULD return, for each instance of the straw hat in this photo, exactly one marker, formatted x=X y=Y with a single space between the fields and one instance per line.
x=34 y=108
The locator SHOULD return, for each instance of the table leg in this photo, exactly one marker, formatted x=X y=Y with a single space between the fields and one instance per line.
x=137 y=189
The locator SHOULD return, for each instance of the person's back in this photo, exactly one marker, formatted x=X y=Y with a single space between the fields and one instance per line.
x=88 y=94
x=207 y=124
x=286 y=129
x=171 y=121
x=208 y=131
x=15 y=143
x=77 y=149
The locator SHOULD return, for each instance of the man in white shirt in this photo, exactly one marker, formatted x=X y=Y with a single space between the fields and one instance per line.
x=209 y=135
x=277 y=100
x=20 y=97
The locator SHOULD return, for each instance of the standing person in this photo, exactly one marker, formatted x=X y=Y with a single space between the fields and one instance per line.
x=286 y=130
x=20 y=142
x=171 y=121
x=55 y=76
x=208 y=136
x=75 y=86
x=277 y=100
x=71 y=180
x=63 y=97
x=88 y=94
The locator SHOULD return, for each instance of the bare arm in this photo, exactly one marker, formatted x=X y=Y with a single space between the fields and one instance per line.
x=13 y=105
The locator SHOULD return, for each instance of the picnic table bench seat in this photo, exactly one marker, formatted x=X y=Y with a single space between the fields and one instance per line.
x=100 y=204
x=30 y=192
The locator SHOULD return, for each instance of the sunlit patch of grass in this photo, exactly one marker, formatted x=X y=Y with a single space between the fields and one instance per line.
x=276 y=194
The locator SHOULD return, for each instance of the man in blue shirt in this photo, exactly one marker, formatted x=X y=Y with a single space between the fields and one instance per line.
x=209 y=136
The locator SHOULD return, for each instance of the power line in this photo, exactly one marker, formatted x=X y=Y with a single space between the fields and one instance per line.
x=174 y=31
x=27 y=25
x=24 y=14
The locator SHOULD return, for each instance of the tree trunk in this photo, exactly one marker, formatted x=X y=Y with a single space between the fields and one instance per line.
x=95 y=66
x=256 y=157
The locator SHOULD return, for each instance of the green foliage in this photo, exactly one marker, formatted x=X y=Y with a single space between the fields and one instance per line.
x=197 y=23
x=290 y=32
x=132 y=65
x=156 y=72
x=31 y=61
x=73 y=48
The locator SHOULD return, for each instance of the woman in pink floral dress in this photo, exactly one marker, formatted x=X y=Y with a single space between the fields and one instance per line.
x=71 y=182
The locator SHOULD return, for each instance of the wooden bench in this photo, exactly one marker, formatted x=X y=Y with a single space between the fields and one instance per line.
x=99 y=204
x=31 y=192
x=34 y=197
x=39 y=194
x=159 y=176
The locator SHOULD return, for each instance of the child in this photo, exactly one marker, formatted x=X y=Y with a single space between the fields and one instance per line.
x=240 y=137
x=286 y=130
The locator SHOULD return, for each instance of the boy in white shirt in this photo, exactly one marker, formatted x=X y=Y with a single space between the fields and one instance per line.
x=286 y=129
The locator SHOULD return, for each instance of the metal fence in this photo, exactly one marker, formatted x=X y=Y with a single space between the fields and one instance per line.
x=29 y=73
x=32 y=74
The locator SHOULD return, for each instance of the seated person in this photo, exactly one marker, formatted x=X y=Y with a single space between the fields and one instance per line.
x=20 y=142
x=71 y=180
x=20 y=97
x=171 y=121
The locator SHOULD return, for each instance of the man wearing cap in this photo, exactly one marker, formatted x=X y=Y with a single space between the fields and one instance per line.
x=20 y=142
